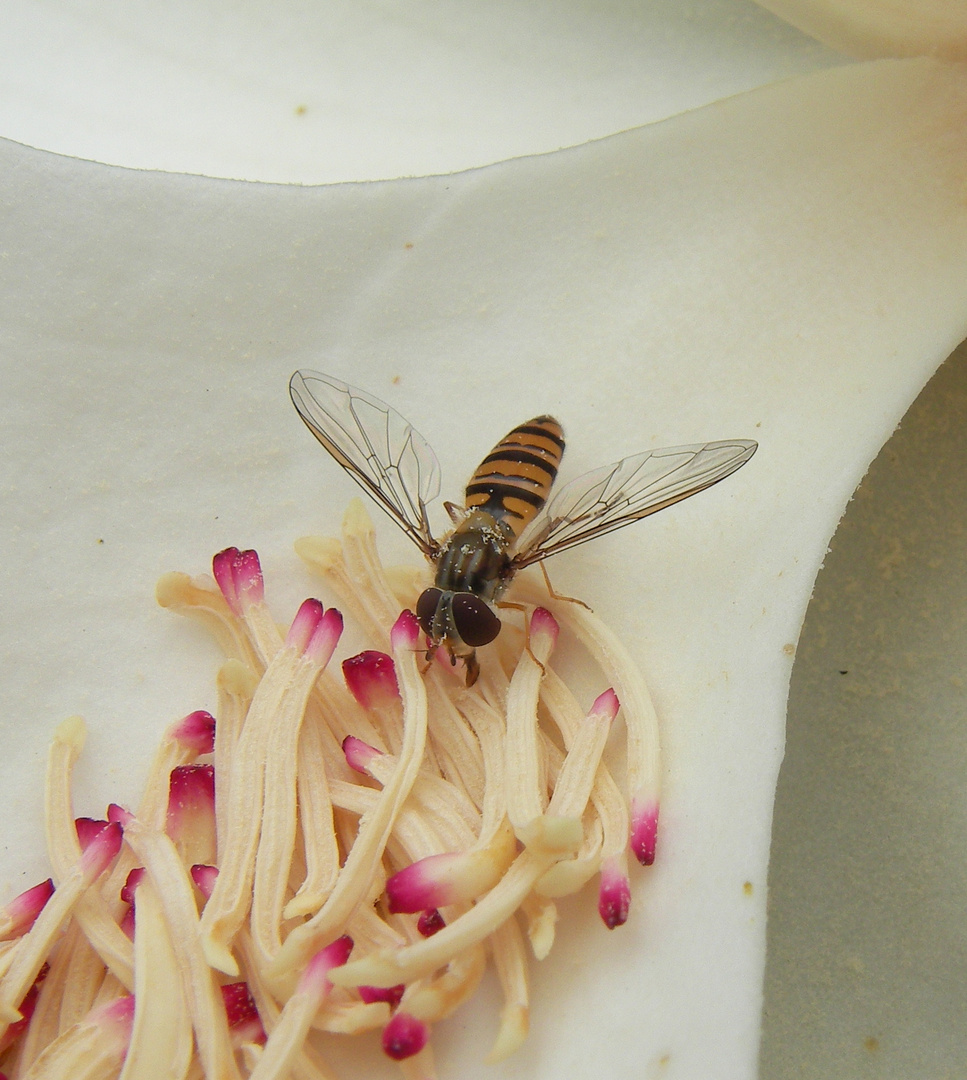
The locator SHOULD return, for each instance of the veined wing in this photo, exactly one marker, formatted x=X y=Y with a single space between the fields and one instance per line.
x=609 y=498
x=380 y=450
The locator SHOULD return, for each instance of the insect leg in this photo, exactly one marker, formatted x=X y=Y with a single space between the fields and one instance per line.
x=560 y=596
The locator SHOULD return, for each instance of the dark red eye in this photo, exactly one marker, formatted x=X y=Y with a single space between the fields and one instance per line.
x=426 y=609
x=476 y=624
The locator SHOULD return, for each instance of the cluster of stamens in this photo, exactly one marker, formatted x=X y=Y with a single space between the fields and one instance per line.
x=339 y=852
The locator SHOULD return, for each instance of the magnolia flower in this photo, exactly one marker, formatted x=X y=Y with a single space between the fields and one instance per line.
x=792 y=260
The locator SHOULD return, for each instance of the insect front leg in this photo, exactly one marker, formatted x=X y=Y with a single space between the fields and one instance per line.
x=527 y=609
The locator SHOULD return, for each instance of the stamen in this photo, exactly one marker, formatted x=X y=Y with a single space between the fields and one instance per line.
x=430 y=922
x=287 y=1037
x=455 y=780
x=19 y=915
x=524 y=781
x=244 y=1023
x=35 y=946
x=162 y=1019
x=615 y=895
x=392 y=995
x=375 y=828
x=191 y=812
x=239 y=576
x=371 y=678
x=404 y=1036
x=196 y=731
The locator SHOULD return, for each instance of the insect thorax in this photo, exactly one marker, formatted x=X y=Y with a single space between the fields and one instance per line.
x=475 y=558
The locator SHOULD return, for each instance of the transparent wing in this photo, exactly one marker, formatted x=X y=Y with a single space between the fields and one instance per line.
x=380 y=450
x=607 y=499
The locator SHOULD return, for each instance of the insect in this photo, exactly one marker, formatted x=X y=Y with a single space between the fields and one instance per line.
x=508 y=520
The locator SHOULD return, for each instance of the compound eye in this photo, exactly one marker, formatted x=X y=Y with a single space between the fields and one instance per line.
x=426 y=609
x=476 y=624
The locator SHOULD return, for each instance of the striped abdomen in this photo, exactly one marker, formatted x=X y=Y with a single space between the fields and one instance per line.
x=513 y=481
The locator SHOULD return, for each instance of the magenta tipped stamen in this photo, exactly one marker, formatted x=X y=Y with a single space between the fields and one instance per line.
x=605 y=706
x=191 y=790
x=404 y=1036
x=239 y=576
x=303 y=625
x=315 y=976
x=392 y=995
x=543 y=624
x=195 y=731
x=127 y=922
x=430 y=922
x=17 y=917
x=371 y=679
x=418 y=887
x=247 y=572
x=204 y=877
x=358 y=753
x=117 y=813
x=244 y=1023
x=191 y=812
x=406 y=632
x=644 y=830
x=87 y=828
x=190 y=787
x=100 y=852
x=131 y=883
x=325 y=638
x=614 y=896
x=26 y=1009
x=222 y=571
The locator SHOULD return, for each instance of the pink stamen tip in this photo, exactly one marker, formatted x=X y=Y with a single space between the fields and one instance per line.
x=99 y=854
x=239 y=576
x=644 y=830
x=430 y=922
x=26 y=1009
x=606 y=706
x=304 y=625
x=325 y=638
x=121 y=1010
x=543 y=623
x=405 y=634
x=614 y=896
x=249 y=585
x=204 y=877
x=127 y=924
x=190 y=820
x=117 y=813
x=416 y=887
x=225 y=579
x=130 y=886
x=20 y=914
x=358 y=753
x=392 y=995
x=196 y=731
x=243 y=1017
x=87 y=828
x=335 y=954
x=191 y=788
x=404 y=1036
x=371 y=679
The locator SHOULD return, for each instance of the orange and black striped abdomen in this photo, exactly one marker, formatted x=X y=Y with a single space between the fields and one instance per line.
x=513 y=481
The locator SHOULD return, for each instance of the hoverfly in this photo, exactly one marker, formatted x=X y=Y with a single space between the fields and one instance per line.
x=508 y=521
